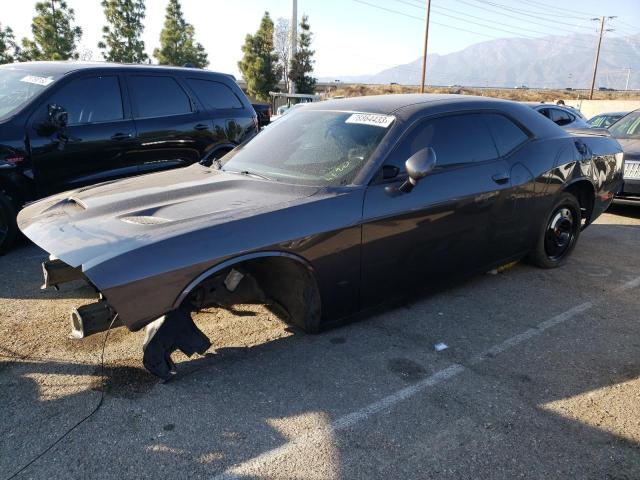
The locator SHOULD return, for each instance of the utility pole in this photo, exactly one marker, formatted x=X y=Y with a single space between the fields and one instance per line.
x=628 y=76
x=595 y=64
x=293 y=41
x=426 y=41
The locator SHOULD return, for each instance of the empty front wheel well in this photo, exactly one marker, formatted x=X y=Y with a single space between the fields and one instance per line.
x=287 y=286
x=585 y=194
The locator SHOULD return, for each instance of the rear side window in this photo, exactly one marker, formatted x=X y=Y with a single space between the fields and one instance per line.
x=90 y=100
x=214 y=95
x=560 y=117
x=597 y=121
x=153 y=96
x=506 y=134
x=456 y=139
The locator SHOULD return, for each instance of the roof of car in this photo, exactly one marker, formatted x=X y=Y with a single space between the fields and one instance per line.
x=543 y=104
x=64 y=67
x=387 y=104
x=612 y=114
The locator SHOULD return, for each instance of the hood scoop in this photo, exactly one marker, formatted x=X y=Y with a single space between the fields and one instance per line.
x=144 y=220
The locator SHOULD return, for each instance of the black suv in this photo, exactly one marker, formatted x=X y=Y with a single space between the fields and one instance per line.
x=64 y=125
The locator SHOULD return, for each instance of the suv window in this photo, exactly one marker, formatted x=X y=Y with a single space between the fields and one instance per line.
x=90 y=100
x=214 y=95
x=560 y=117
x=153 y=96
x=506 y=134
x=456 y=139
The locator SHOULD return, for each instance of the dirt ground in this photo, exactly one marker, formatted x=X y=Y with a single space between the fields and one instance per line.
x=540 y=379
x=520 y=95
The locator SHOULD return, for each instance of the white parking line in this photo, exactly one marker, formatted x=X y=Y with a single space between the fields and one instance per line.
x=255 y=465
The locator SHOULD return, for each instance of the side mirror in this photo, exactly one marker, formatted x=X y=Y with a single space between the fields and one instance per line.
x=57 y=116
x=419 y=165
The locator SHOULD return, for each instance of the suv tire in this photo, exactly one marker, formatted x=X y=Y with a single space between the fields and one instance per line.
x=8 y=224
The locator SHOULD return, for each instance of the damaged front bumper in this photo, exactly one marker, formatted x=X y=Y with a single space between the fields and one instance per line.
x=173 y=331
x=88 y=319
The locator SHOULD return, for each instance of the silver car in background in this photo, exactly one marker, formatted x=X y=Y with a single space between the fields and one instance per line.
x=565 y=117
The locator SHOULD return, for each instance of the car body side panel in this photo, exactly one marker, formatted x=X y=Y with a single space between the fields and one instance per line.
x=214 y=217
x=143 y=283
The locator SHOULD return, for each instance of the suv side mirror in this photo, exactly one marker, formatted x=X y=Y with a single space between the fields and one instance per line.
x=419 y=165
x=57 y=116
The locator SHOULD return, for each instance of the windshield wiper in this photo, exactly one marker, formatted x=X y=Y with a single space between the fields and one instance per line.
x=249 y=174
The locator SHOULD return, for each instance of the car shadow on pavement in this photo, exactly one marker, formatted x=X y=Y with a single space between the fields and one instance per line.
x=225 y=409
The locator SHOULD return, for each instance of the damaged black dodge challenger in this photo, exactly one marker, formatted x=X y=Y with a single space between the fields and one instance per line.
x=332 y=210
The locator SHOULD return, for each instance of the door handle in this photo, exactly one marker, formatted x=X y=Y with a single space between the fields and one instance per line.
x=201 y=126
x=121 y=136
x=501 y=178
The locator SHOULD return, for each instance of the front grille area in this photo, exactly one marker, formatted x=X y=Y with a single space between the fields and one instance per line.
x=632 y=170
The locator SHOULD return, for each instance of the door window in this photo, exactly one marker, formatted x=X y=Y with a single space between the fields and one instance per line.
x=456 y=139
x=90 y=100
x=507 y=135
x=214 y=95
x=560 y=117
x=153 y=96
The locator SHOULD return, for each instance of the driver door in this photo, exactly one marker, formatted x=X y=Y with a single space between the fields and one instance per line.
x=444 y=226
x=94 y=146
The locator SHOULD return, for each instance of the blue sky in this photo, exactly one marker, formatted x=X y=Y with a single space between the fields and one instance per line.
x=355 y=37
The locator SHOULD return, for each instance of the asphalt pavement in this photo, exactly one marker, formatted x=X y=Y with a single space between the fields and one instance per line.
x=540 y=378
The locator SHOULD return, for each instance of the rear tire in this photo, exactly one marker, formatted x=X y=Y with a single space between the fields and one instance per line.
x=559 y=234
x=8 y=224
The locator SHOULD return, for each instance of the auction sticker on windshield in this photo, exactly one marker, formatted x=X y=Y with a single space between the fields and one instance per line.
x=44 y=81
x=376 y=120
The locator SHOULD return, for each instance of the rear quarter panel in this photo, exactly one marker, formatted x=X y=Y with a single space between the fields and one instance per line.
x=601 y=165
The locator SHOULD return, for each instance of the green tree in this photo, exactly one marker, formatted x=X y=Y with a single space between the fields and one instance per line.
x=8 y=48
x=177 y=42
x=302 y=63
x=54 y=35
x=259 y=64
x=121 y=35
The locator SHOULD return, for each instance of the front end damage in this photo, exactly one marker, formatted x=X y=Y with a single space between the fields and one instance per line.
x=160 y=247
x=88 y=319
x=241 y=284
x=173 y=331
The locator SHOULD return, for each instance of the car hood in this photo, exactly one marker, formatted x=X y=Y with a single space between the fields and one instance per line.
x=89 y=225
x=631 y=148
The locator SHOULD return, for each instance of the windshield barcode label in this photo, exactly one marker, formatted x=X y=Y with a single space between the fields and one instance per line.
x=373 y=119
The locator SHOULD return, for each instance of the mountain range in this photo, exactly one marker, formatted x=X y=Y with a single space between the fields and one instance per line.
x=547 y=62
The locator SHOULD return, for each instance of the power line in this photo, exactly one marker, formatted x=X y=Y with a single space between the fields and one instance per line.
x=491 y=25
x=493 y=22
x=628 y=24
x=421 y=19
x=582 y=45
x=548 y=24
x=524 y=13
x=555 y=7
